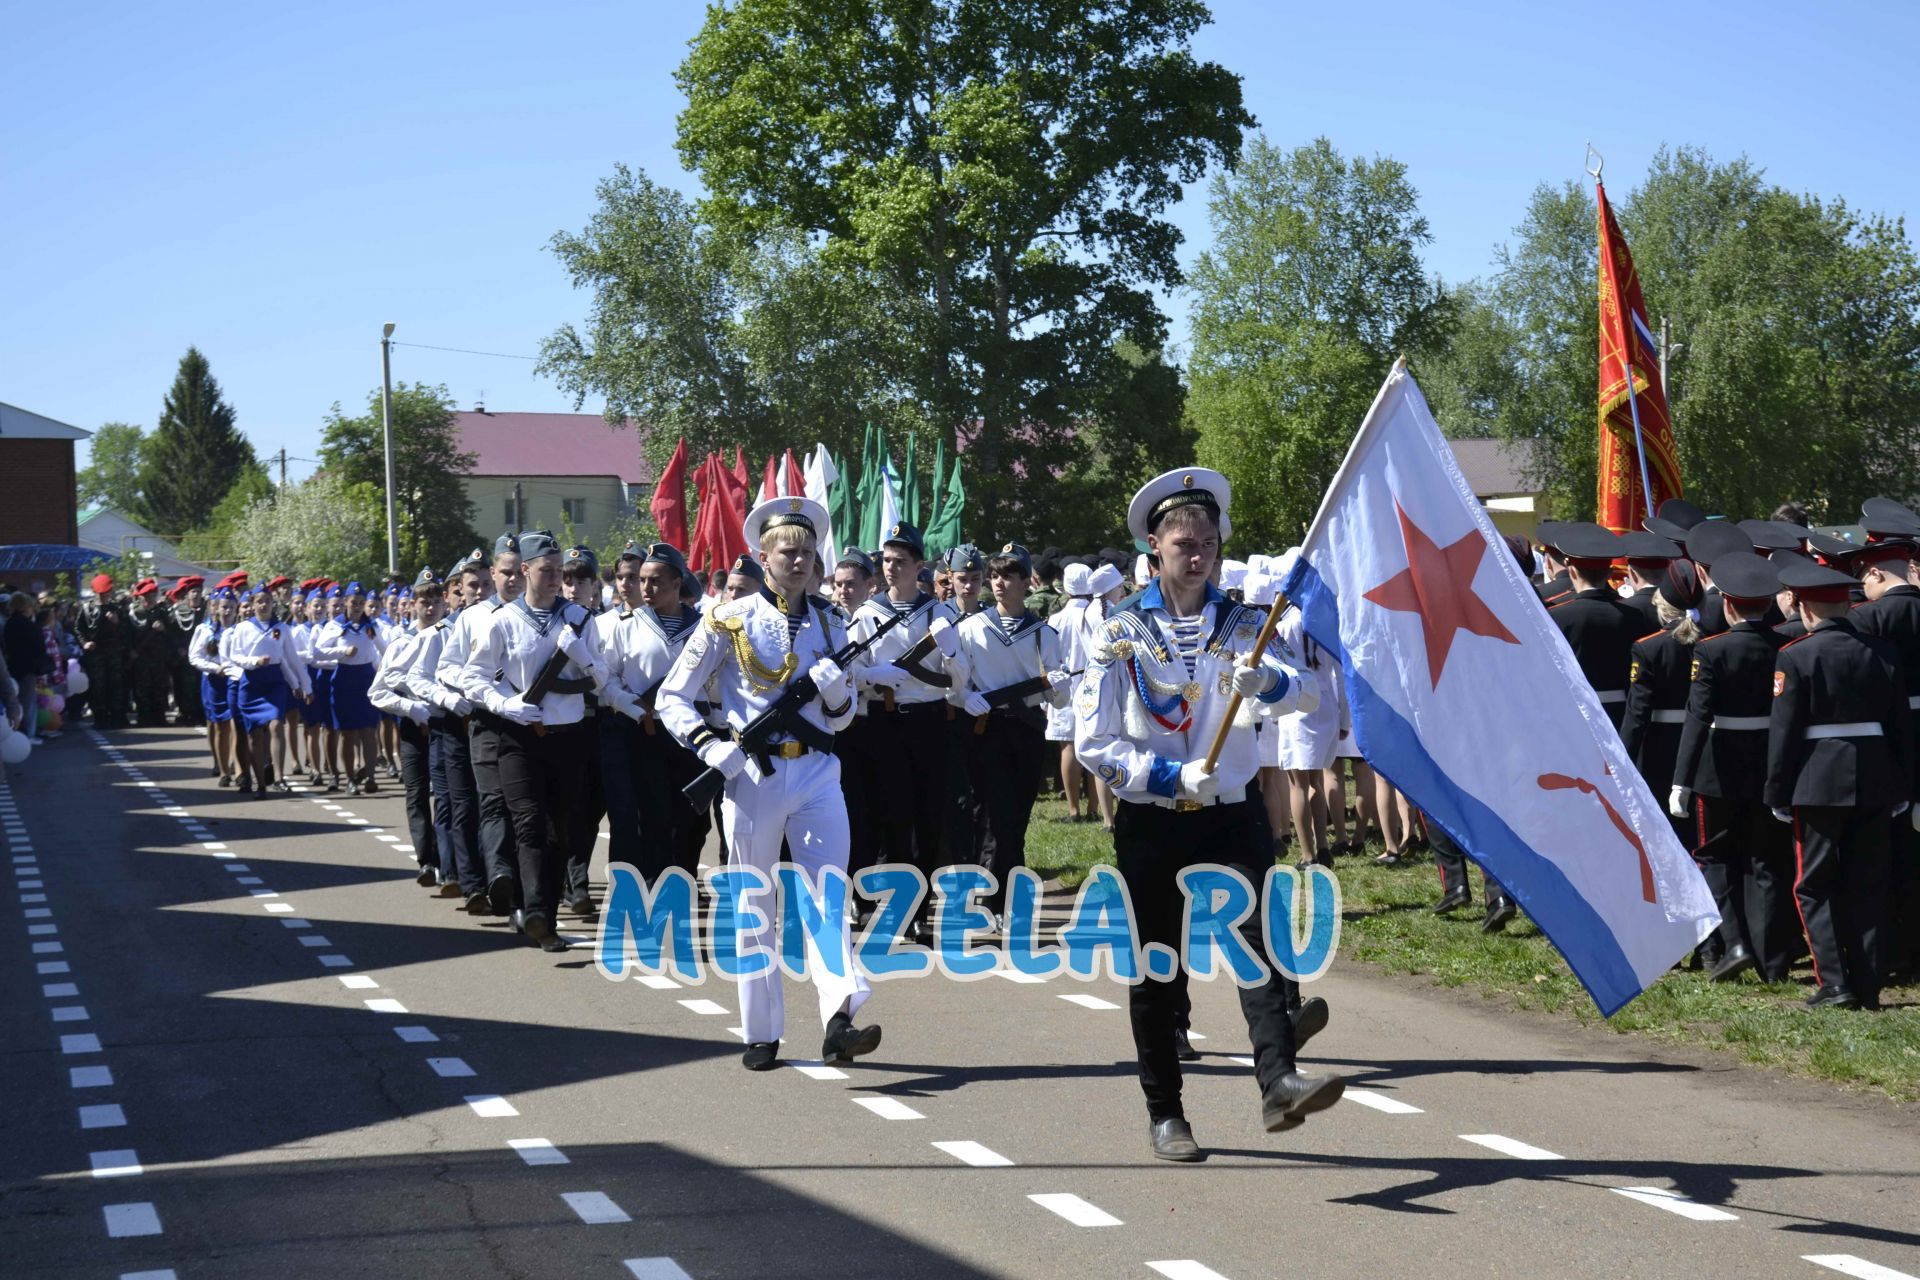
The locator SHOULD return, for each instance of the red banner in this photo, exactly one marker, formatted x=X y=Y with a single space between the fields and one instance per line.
x=1629 y=382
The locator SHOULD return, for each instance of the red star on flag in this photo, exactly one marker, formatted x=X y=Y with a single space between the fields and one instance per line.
x=1437 y=584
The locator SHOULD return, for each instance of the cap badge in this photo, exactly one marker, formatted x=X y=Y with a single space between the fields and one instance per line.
x=793 y=506
x=1186 y=482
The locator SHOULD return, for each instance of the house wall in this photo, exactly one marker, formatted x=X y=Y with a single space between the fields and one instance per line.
x=602 y=497
x=40 y=505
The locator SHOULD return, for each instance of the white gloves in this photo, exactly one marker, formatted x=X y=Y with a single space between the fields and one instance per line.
x=419 y=713
x=447 y=700
x=1196 y=783
x=975 y=704
x=1058 y=679
x=516 y=709
x=725 y=756
x=831 y=681
x=576 y=646
x=883 y=675
x=1306 y=691
x=1251 y=682
x=944 y=637
x=1784 y=815
x=623 y=702
x=1680 y=802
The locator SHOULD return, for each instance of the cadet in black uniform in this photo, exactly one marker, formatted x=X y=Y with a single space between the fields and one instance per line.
x=1599 y=625
x=1648 y=555
x=1557 y=584
x=1839 y=756
x=1707 y=542
x=1719 y=775
x=1892 y=612
x=1657 y=681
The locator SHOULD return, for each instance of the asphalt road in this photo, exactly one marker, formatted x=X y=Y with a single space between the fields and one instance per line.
x=237 y=1040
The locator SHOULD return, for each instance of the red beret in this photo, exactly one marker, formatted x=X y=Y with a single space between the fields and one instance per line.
x=101 y=584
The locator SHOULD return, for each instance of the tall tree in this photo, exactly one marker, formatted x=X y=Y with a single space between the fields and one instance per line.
x=213 y=544
x=1311 y=287
x=431 y=505
x=1006 y=166
x=325 y=524
x=195 y=452
x=112 y=474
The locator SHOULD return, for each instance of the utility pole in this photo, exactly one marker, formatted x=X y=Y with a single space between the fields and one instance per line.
x=386 y=429
x=281 y=458
x=519 y=512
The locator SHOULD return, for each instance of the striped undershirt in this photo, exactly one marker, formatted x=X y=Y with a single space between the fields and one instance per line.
x=1186 y=637
x=673 y=625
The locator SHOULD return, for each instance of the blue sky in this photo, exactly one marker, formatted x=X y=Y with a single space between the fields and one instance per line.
x=272 y=182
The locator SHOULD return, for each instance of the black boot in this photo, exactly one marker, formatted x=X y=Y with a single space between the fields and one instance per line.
x=844 y=1042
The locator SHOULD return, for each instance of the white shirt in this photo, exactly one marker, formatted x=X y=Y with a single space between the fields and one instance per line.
x=710 y=655
x=203 y=651
x=252 y=640
x=349 y=644
x=893 y=646
x=510 y=650
x=463 y=629
x=637 y=652
x=390 y=691
x=988 y=658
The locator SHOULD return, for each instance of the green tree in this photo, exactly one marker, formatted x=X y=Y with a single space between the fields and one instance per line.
x=214 y=544
x=194 y=454
x=1312 y=285
x=324 y=525
x=1005 y=167
x=112 y=474
x=431 y=506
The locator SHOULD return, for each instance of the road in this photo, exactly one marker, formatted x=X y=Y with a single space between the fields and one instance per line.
x=238 y=1040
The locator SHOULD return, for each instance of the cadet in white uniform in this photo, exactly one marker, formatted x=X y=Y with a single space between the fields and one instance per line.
x=750 y=649
x=483 y=739
x=1161 y=681
x=450 y=756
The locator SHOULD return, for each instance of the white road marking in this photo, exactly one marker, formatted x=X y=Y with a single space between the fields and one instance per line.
x=107 y=1115
x=358 y=822
x=1674 y=1202
x=334 y=961
x=702 y=1006
x=538 y=1151
x=1185 y=1269
x=31 y=884
x=814 y=1069
x=1014 y=975
x=41 y=930
x=79 y=1044
x=277 y=907
x=238 y=867
x=59 y=990
x=416 y=1035
x=403 y=848
x=89 y=1077
x=655 y=1269
x=594 y=1208
x=450 y=1068
x=659 y=982
x=889 y=1108
x=46 y=967
x=131 y=1220
x=1848 y=1265
x=115 y=1164
x=315 y=940
x=490 y=1106
x=385 y=1005
x=38 y=913
x=33 y=897
x=249 y=880
x=1075 y=1210
x=974 y=1154
x=358 y=982
x=70 y=1013
x=212 y=844
x=167 y=1274
x=296 y=924
x=387 y=839
x=1089 y=1002
x=263 y=893
x=47 y=948
x=1381 y=1102
x=1510 y=1147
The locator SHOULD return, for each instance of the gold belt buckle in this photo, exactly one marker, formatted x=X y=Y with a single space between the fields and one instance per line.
x=1187 y=806
x=791 y=750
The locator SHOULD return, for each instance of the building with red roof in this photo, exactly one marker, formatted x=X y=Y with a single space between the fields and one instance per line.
x=552 y=471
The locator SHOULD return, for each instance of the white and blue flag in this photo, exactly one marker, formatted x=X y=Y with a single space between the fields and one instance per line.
x=1466 y=697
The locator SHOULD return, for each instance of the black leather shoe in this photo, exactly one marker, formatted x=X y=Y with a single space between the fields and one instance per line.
x=844 y=1042
x=428 y=875
x=1737 y=962
x=1453 y=901
x=500 y=895
x=448 y=889
x=1832 y=998
x=1173 y=1140
x=580 y=906
x=1498 y=914
x=1309 y=1020
x=761 y=1055
x=1182 y=1049
x=518 y=920
x=477 y=905
x=556 y=944
x=1295 y=1096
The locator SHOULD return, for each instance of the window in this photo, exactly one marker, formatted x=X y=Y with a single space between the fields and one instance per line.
x=506 y=519
x=574 y=510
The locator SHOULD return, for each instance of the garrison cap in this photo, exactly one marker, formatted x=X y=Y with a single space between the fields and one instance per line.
x=1675 y=518
x=1019 y=555
x=858 y=559
x=748 y=567
x=507 y=544
x=579 y=558
x=538 y=542
x=964 y=558
x=905 y=535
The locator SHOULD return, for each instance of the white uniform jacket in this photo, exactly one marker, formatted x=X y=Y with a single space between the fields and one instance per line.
x=390 y=691
x=420 y=674
x=511 y=649
x=638 y=654
x=349 y=644
x=752 y=631
x=1141 y=714
x=893 y=646
x=203 y=651
x=989 y=657
x=463 y=632
x=250 y=640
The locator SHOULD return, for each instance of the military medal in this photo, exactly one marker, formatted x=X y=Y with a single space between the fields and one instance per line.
x=1191 y=691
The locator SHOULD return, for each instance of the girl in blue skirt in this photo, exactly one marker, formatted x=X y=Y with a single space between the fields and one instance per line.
x=353 y=642
x=272 y=674
x=203 y=650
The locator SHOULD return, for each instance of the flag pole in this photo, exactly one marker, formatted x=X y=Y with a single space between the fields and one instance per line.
x=1633 y=401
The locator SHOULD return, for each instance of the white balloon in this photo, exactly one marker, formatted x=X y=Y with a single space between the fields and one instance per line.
x=14 y=748
x=77 y=682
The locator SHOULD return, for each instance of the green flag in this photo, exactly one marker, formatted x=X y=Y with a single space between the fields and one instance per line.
x=939 y=472
x=946 y=531
x=840 y=506
x=910 y=483
x=863 y=492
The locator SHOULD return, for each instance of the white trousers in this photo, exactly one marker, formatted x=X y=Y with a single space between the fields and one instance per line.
x=803 y=803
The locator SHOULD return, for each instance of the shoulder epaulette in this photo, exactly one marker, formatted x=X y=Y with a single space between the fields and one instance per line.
x=1715 y=636
x=1652 y=635
x=1797 y=639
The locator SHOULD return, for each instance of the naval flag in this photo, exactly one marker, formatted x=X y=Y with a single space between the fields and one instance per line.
x=1465 y=696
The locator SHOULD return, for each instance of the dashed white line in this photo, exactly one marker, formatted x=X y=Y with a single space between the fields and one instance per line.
x=278 y=907
x=450 y=1068
x=659 y=982
x=538 y=1151
x=238 y=868
x=1848 y=1265
x=1674 y=1202
x=385 y=1004
x=89 y=1077
x=655 y=1269
x=115 y=1164
x=131 y=1220
x=702 y=1006
x=974 y=1154
x=46 y=967
x=106 y=1115
x=358 y=982
x=1014 y=975
x=80 y=1044
x=315 y=940
x=335 y=961
x=248 y=880
x=1510 y=1147
x=814 y=1069
x=1075 y=1210
x=296 y=924
x=1089 y=1002
x=167 y=1274
x=889 y=1108
x=490 y=1106
x=59 y=990
x=71 y=1013
x=1381 y=1102
x=1185 y=1269
x=416 y=1035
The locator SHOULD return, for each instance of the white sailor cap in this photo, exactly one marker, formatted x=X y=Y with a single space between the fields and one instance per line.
x=1186 y=486
x=775 y=512
x=1233 y=575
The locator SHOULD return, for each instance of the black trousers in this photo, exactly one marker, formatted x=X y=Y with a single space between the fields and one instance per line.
x=966 y=832
x=861 y=783
x=416 y=784
x=620 y=783
x=496 y=829
x=584 y=830
x=671 y=832
x=910 y=760
x=1746 y=855
x=1151 y=846
x=543 y=777
x=1011 y=755
x=1844 y=869
x=452 y=764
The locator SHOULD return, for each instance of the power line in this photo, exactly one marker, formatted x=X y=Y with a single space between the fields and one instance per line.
x=498 y=355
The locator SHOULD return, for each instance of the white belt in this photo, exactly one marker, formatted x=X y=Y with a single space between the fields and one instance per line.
x=1234 y=796
x=1851 y=729
x=1742 y=722
x=1610 y=695
x=1669 y=717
